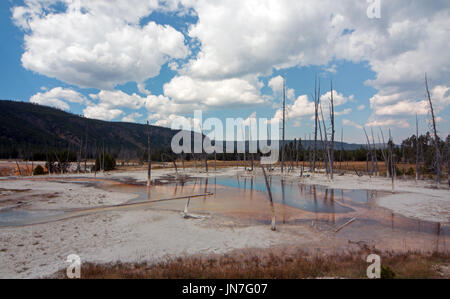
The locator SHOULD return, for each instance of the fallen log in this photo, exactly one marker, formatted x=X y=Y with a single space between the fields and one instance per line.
x=345 y=224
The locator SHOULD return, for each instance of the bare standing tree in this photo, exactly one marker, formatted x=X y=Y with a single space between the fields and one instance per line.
x=447 y=155
x=205 y=154
x=385 y=155
x=327 y=155
x=436 y=138
x=59 y=162
x=103 y=156
x=369 y=149
x=250 y=147
x=215 y=160
x=32 y=163
x=342 y=148
x=86 y=148
x=79 y=156
x=331 y=154
x=18 y=168
x=149 y=157
x=391 y=154
x=244 y=137
x=377 y=170
x=182 y=160
x=316 y=122
x=417 y=149
x=96 y=158
x=284 y=126
x=272 y=208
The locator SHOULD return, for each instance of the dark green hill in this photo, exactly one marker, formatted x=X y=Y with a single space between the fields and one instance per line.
x=27 y=127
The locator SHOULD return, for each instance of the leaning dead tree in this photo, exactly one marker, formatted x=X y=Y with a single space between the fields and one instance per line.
x=149 y=157
x=436 y=138
x=269 y=191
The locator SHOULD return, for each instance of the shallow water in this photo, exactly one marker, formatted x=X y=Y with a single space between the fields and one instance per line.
x=14 y=217
x=245 y=200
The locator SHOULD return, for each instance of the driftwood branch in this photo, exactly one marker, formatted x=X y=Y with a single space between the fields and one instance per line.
x=345 y=224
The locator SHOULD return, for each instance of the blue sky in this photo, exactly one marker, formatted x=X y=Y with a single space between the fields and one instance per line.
x=137 y=60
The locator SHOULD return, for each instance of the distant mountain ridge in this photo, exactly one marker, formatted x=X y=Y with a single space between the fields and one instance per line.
x=39 y=128
x=35 y=128
x=310 y=144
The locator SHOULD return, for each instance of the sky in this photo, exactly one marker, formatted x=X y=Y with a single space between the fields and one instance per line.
x=139 y=60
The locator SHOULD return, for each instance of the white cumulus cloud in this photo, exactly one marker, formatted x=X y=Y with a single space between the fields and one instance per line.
x=59 y=98
x=100 y=45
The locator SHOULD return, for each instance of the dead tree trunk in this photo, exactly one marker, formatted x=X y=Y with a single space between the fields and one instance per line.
x=272 y=208
x=332 y=133
x=369 y=149
x=175 y=166
x=316 y=123
x=391 y=154
x=60 y=164
x=182 y=160
x=18 y=168
x=32 y=164
x=245 y=147
x=205 y=155
x=327 y=155
x=417 y=149
x=149 y=157
x=447 y=154
x=385 y=156
x=447 y=158
x=342 y=148
x=377 y=170
x=103 y=156
x=250 y=147
x=86 y=148
x=79 y=156
x=284 y=126
x=436 y=138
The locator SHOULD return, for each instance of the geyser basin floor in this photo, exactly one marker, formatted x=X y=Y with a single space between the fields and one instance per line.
x=237 y=216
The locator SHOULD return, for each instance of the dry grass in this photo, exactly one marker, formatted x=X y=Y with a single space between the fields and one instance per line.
x=270 y=264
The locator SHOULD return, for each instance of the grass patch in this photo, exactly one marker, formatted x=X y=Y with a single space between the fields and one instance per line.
x=269 y=264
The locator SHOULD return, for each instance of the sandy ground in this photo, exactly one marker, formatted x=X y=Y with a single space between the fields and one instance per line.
x=148 y=235
x=54 y=195
x=129 y=236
